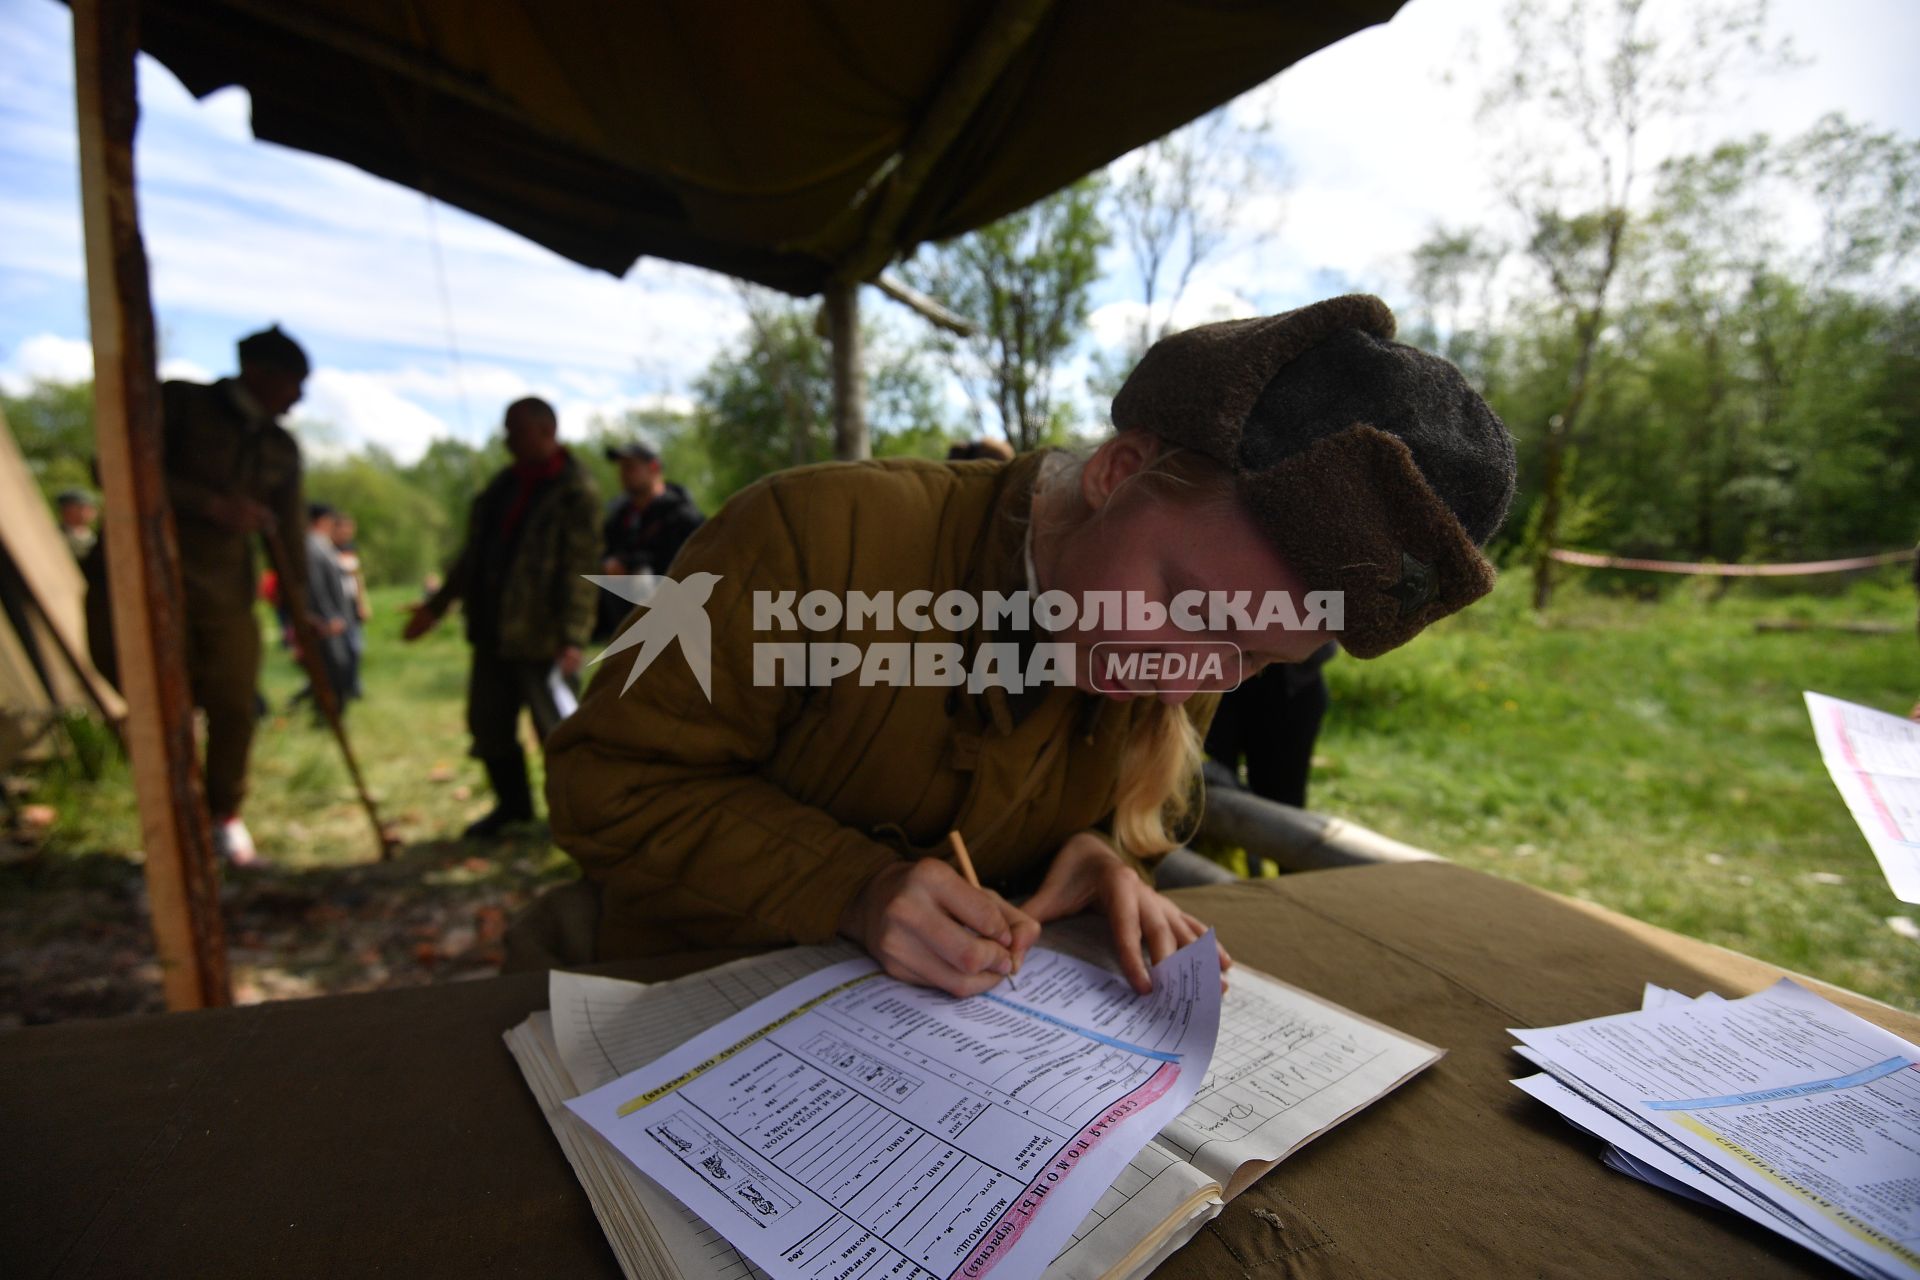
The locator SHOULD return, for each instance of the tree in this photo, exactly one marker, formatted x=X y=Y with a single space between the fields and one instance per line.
x=1573 y=106
x=1451 y=281
x=53 y=424
x=1171 y=205
x=766 y=402
x=1025 y=283
x=403 y=532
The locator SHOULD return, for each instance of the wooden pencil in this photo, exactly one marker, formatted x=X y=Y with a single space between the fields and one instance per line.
x=961 y=859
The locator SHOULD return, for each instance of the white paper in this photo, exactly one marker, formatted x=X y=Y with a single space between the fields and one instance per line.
x=1287 y=1068
x=1635 y=1154
x=564 y=700
x=854 y=1126
x=1875 y=761
x=1785 y=1096
x=1273 y=1039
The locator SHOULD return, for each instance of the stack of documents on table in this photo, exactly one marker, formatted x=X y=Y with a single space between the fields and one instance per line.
x=1065 y=1041
x=1780 y=1106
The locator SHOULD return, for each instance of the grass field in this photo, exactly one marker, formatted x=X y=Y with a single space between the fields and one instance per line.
x=1651 y=756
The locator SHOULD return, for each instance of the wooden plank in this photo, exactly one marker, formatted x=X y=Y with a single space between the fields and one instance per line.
x=143 y=558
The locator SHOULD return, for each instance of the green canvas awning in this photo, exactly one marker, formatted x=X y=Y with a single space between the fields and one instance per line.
x=791 y=142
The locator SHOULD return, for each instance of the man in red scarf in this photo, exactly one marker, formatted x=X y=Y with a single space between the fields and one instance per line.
x=531 y=535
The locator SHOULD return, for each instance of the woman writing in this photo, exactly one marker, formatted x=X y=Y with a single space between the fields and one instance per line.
x=792 y=795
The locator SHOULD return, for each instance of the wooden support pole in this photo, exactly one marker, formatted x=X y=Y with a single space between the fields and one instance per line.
x=850 y=441
x=142 y=556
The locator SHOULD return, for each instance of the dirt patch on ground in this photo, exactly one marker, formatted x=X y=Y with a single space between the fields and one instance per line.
x=75 y=941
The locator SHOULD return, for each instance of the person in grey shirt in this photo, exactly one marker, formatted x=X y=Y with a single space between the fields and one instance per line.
x=330 y=601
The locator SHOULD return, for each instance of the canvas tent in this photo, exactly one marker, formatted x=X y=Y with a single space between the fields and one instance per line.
x=790 y=144
x=44 y=669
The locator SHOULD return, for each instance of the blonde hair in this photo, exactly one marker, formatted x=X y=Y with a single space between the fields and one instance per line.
x=1159 y=780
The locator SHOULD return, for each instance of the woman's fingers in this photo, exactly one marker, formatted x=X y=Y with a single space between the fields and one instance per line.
x=961 y=948
x=1025 y=929
x=1157 y=928
x=973 y=907
x=1183 y=931
x=1123 y=918
x=920 y=966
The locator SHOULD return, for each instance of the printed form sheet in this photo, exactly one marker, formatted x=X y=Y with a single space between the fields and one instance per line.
x=1813 y=1111
x=851 y=1125
x=1875 y=761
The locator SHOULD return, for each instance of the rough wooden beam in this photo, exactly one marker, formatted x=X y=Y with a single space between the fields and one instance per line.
x=850 y=440
x=927 y=308
x=1005 y=32
x=144 y=561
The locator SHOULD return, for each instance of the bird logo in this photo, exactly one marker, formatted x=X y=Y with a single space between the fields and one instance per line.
x=675 y=610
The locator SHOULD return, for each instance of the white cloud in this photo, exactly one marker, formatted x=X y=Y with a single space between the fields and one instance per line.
x=46 y=357
x=578 y=416
x=185 y=370
x=363 y=410
x=1118 y=324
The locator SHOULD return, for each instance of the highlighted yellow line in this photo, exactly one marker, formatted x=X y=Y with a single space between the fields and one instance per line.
x=653 y=1095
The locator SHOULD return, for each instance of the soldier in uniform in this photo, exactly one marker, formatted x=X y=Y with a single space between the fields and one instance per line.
x=233 y=473
x=531 y=539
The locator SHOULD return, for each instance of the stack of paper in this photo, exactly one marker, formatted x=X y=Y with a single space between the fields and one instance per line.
x=1781 y=1107
x=1286 y=1068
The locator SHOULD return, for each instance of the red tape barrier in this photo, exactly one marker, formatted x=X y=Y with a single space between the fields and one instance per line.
x=1588 y=560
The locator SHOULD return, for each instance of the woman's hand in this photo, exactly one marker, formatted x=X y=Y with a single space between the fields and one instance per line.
x=928 y=926
x=1086 y=872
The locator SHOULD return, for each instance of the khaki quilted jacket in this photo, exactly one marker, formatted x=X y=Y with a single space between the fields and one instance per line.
x=752 y=819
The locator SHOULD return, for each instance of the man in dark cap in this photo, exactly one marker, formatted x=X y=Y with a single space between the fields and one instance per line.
x=233 y=473
x=530 y=608
x=645 y=525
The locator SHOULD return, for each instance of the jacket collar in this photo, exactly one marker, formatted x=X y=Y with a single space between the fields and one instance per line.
x=1000 y=563
x=998 y=554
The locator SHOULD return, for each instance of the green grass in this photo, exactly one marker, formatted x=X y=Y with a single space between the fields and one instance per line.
x=1652 y=756
x=409 y=735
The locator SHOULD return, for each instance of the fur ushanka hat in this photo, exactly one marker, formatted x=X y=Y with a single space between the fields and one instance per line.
x=1372 y=465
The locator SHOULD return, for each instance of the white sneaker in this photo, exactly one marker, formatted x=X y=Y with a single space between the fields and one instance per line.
x=233 y=842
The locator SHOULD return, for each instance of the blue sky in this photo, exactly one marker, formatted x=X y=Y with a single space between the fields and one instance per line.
x=425 y=321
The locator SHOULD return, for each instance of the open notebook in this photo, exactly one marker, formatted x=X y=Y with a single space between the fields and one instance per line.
x=1287 y=1068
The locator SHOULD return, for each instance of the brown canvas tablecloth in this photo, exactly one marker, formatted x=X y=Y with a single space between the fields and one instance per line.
x=391 y=1134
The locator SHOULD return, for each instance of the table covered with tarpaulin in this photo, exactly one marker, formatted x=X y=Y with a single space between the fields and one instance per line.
x=391 y=1134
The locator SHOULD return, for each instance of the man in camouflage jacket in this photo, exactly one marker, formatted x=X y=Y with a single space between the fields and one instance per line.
x=531 y=535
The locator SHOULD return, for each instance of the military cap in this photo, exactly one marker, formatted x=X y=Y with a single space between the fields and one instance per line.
x=272 y=346
x=1373 y=466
